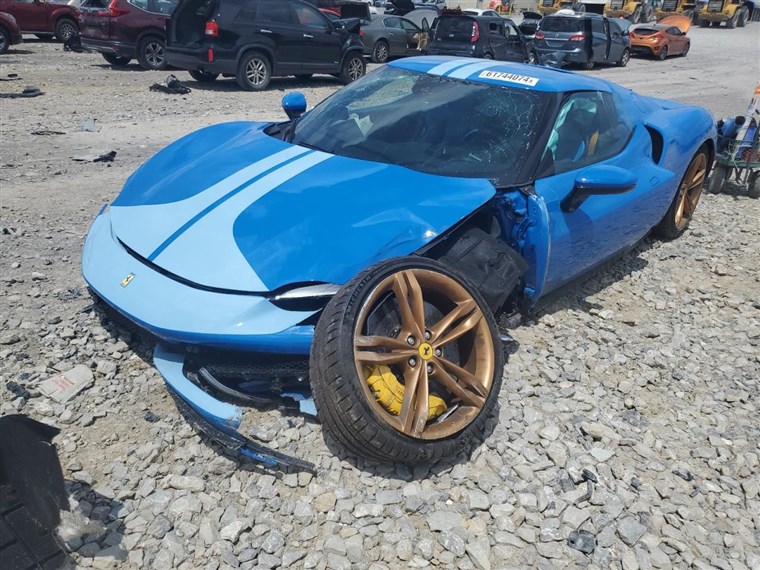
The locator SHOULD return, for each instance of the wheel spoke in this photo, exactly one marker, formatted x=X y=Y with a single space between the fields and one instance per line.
x=422 y=404
x=417 y=303
x=411 y=379
x=468 y=397
x=462 y=328
x=383 y=357
x=408 y=322
x=463 y=376
x=381 y=342
x=462 y=309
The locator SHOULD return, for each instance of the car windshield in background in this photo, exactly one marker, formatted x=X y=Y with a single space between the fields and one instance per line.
x=431 y=124
x=454 y=29
x=565 y=25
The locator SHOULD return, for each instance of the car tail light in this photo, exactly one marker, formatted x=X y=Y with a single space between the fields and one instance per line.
x=475 y=33
x=659 y=36
x=212 y=28
x=113 y=10
x=539 y=36
x=361 y=32
x=210 y=55
x=577 y=38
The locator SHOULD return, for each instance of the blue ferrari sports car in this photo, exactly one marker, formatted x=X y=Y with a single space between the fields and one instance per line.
x=354 y=256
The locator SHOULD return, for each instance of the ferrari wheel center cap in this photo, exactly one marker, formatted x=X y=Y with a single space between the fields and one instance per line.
x=426 y=351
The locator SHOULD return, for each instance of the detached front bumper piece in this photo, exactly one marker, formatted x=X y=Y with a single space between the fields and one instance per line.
x=218 y=420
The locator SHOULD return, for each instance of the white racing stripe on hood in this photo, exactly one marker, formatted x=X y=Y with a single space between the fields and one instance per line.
x=144 y=228
x=468 y=70
x=442 y=68
x=207 y=252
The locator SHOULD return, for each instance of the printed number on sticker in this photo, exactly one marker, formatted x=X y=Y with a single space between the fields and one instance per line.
x=509 y=77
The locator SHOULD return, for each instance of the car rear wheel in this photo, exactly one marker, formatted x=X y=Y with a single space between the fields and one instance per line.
x=353 y=68
x=151 y=53
x=114 y=59
x=65 y=28
x=625 y=58
x=718 y=179
x=380 y=52
x=663 y=53
x=406 y=363
x=685 y=202
x=254 y=72
x=532 y=58
x=203 y=76
x=686 y=49
x=5 y=40
x=487 y=56
x=704 y=24
x=588 y=65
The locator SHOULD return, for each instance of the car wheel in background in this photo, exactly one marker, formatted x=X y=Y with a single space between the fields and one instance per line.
x=5 y=40
x=686 y=49
x=487 y=56
x=635 y=18
x=624 y=59
x=588 y=65
x=254 y=72
x=704 y=24
x=114 y=59
x=353 y=68
x=753 y=185
x=685 y=202
x=203 y=76
x=380 y=52
x=718 y=179
x=731 y=22
x=151 y=53
x=532 y=58
x=406 y=362
x=65 y=28
x=742 y=18
x=663 y=53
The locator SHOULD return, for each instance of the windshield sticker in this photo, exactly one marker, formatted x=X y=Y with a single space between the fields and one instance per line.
x=509 y=77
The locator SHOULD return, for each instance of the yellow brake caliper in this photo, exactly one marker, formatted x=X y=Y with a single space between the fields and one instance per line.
x=389 y=392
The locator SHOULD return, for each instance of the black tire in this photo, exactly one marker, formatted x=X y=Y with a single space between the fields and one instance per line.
x=5 y=40
x=685 y=51
x=742 y=18
x=753 y=185
x=731 y=22
x=342 y=401
x=65 y=28
x=704 y=24
x=353 y=67
x=718 y=179
x=254 y=72
x=663 y=53
x=668 y=228
x=588 y=65
x=151 y=53
x=624 y=58
x=635 y=18
x=304 y=76
x=532 y=58
x=487 y=56
x=715 y=24
x=380 y=52
x=203 y=76
x=114 y=59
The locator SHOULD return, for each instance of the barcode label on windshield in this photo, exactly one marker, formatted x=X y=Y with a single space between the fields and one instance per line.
x=509 y=77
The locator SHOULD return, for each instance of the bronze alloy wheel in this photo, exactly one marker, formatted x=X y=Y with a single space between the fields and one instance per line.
x=406 y=363
x=423 y=352
x=690 y=191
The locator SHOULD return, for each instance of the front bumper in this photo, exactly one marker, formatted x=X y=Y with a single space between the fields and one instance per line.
x=121 y=49
x=180 y=314
x=578 y=55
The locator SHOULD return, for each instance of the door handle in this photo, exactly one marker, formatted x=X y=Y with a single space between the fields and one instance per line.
x=308 y=36
x=265 y=31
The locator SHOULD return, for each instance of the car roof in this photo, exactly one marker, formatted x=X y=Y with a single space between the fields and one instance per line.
x=505 y=74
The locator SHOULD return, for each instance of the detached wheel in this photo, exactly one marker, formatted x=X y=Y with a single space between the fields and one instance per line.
x=406 y=363
x=116 y=60
x=685 y=202
x=625 y=58
x=203 y=76
x=718 y=179
x=353 y=68
x=380 y=52
x=65 y=28
x=254 y=72
x=663 y=54
x=151 y=53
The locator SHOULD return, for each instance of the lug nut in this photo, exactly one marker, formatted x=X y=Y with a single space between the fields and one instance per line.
x=430 y=368
x=427 y=335
x=438 y=352
x=412 y=361
x=410 y=340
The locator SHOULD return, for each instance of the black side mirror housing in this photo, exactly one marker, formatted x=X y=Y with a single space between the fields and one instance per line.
x=598 y=180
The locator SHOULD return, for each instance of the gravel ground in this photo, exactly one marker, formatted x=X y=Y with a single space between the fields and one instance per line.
x=627 y=433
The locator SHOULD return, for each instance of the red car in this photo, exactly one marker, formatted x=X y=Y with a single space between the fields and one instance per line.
x=43 y=18
x=122 y=30
x=9 y=32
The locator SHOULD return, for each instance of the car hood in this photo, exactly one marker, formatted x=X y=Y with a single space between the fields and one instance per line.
x=683 y=23
x=232 y=208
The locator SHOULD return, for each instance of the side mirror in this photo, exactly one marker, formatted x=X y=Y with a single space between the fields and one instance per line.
x=338 y=25
x=598 y=180
x=294 y=105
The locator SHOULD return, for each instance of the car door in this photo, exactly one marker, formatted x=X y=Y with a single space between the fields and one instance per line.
x=30 y=15
x=413 y=36
x=675 y=40
x=597 y=128
x=515 y=48
x=617 y=41
x=320 y=43
x=275 y=20
x=598 y=39
x=396 y=35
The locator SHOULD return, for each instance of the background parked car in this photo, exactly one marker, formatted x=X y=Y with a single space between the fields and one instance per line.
x=122 y=30
x=667 y=37
x=529 y=24
x=422 y=18
x=10 y=34
x=391 y=36
x=457 y=33
x=584 y=39
x=479 y=12
x=43 y=18
x=254 y=40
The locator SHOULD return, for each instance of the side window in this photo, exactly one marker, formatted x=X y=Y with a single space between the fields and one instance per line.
x=409 y=26
x=309 y=17
x=597 y=26
x=511 y=31
x=275 y=12
x=674 y=31
x=425 y=25
x=589 y=128
x=247 y=14
x=495 y=28
x=394 y=23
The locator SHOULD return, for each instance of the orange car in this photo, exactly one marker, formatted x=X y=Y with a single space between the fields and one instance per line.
x=666 y=37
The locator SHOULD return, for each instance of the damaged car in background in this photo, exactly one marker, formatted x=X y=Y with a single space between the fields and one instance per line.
x=357 y=253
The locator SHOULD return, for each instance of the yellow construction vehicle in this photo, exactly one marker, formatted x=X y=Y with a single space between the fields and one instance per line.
x=637 y=11
x=664 y=8
x=733 y=12
x=550 y=6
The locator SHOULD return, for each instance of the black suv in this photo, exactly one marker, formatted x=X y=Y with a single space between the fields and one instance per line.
x=254 y=40
x=456 y=33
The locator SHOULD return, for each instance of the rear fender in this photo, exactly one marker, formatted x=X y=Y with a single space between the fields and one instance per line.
x=256 y=47
x=157 y=32
x=62 y=12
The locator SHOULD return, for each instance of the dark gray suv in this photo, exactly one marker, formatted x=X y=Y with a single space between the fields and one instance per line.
x=583 y=39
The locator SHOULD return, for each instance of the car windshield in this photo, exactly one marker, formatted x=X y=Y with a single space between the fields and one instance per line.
x=431 y=124
x=566 y=25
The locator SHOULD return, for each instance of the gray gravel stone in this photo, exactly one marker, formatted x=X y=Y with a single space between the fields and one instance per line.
x=630 y=530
